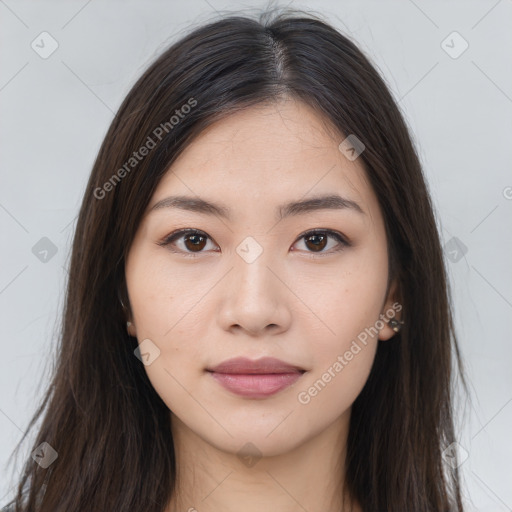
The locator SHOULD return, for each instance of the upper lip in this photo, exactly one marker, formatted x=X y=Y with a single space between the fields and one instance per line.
x=243 y=365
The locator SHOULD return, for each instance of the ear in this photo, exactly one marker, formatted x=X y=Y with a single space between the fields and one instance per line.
x=130 y=327
x=391 y=310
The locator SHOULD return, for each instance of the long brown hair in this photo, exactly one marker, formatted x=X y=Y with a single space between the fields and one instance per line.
x=100 y=413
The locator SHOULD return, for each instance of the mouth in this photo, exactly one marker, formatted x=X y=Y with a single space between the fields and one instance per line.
x=255 y=379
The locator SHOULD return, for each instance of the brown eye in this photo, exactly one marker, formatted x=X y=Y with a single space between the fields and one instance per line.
x=190 y=242
x=316 y=242
x=194 y=242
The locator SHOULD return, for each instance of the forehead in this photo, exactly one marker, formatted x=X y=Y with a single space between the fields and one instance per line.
x=267 y=154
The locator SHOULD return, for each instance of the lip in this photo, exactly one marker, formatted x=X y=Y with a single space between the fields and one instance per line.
x=243 y=365
x=255 y=379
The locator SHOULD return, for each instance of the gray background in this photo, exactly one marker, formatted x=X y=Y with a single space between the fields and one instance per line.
x=56 y=110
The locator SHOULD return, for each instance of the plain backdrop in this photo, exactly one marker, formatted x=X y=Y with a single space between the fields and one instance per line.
x=448 y=65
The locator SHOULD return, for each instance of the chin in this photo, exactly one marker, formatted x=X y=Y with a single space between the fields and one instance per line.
x=249 y=445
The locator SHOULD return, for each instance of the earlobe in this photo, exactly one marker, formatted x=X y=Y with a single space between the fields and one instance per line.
x=392 y=327
x=386 y=333
x=130 y=329
x=390 y=316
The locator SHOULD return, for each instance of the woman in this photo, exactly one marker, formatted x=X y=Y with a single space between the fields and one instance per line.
x=257 y=313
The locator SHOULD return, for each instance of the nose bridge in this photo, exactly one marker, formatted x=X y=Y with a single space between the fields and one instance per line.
x=254 y=300
x=255 y=297
x=251 y=267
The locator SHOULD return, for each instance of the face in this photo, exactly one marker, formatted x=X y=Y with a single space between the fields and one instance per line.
x=303 y=284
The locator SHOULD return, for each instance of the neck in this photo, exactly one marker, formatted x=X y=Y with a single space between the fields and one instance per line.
x=306 y=478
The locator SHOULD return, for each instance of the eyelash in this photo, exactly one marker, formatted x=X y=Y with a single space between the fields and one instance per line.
x=169 y=239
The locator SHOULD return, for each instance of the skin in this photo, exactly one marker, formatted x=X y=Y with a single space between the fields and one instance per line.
x=292 y=303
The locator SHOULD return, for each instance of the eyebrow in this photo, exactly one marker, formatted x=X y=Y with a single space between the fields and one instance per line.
x=198 y=205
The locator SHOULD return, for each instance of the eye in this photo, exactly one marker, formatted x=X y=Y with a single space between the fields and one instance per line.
x=192 y=241
x=317 y=240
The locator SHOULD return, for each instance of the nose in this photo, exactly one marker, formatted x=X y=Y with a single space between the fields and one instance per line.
x=256 y=300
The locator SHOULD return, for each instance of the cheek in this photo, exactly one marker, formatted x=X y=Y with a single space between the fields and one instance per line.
x=165 y=317
x=343 y=355
x=348 y=307
x=164 y=307
x=347 y=301
x=335 y=385
x=159 y=296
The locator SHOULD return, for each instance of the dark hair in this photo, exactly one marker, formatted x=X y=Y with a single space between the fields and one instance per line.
x=110 y=428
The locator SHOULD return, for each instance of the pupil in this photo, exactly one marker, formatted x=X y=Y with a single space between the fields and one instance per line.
x=197 y=243
x=316 y=245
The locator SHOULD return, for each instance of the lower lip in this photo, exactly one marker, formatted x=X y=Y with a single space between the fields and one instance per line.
x=256 y=385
